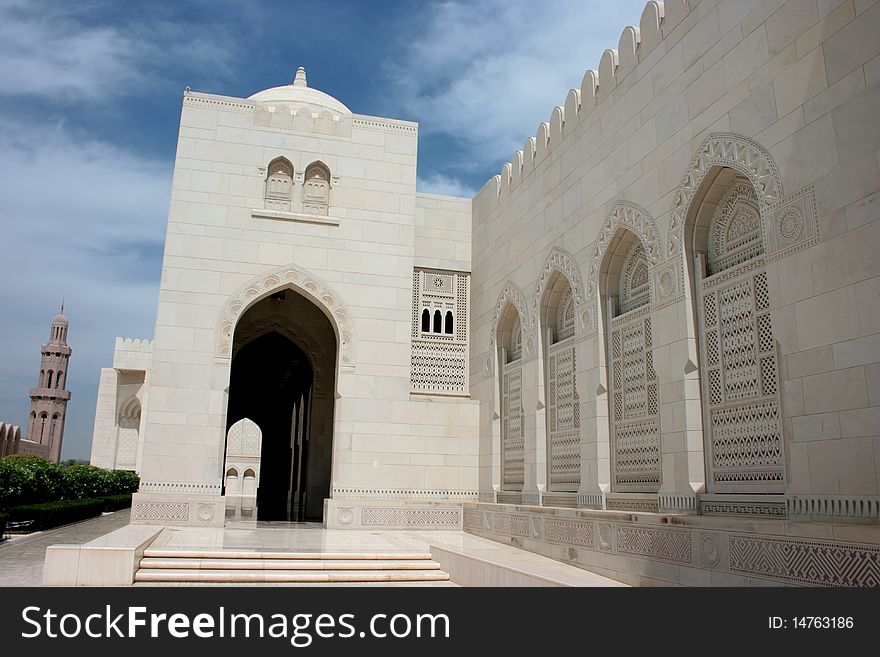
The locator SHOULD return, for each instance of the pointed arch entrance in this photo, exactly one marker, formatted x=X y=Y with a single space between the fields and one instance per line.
x=283 y=379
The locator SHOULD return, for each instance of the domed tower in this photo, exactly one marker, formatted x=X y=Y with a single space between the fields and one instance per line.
x=49 y=399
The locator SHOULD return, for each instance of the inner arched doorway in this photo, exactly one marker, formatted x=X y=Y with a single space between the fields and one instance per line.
x=283 y=379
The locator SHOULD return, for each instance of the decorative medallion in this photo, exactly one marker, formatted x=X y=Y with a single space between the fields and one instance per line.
x=791 y=225
x=604 y=536
x=709 y=550
x=344 y=516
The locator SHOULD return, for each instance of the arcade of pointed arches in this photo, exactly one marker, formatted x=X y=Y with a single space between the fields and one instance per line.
x=724 y=219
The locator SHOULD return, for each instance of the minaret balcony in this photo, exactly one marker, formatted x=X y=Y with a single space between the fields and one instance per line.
x=50 y=393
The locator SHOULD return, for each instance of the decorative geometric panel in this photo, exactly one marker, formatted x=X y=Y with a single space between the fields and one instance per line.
x=511 y=524
x=762 y=297
x=563 y=415
x=634 y=288
x=712 y=355
x=715 y=396
x=409 y=517
x=150 y=510
x=666 y=544
x=245 y=439
x=637 y=456
x=439 y=367
x=573 y=532
x=650 y=505
x=516 y=341
x=512 y=428
x=792 y=224
x=438 y=284
x=565 y=317
x=461 y=307
x=810 y=562
x=747 y=452
x=127 y=450
x=635 y=405
x=740 y=378
x=735 y=231
x=754 y=509
x=439 y=358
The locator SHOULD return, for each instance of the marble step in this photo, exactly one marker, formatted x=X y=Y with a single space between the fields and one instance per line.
x=195 y=553
x=285 y=564
x=261 y=576
x=430 y=583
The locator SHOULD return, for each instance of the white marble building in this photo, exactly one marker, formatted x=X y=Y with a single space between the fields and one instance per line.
x=673 y=293
x=296 y=239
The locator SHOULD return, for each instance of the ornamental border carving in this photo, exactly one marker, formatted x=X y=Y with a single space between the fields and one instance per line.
x=513 y=294
x=728 y=150
x=560 y=260
x=637 y=220
x=302 y=281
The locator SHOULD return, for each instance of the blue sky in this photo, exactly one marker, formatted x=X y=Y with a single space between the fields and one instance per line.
x=90 y=95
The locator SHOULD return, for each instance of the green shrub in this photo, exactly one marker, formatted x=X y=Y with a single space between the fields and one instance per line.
x=53 y=514
x=124 y=481
x=79 y=482
x=116 y=502
x=28 y=479
x=87 y=481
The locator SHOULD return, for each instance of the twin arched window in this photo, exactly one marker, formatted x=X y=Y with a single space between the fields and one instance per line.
x=279 y=187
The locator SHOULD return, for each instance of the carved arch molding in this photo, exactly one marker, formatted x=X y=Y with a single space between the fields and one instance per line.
x=788 y=223
x=301 y=281
x=560 y=260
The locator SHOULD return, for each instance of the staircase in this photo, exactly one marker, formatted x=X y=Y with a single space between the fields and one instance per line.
x=170 y=566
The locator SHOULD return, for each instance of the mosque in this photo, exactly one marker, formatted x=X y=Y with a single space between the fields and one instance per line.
x=650 y=344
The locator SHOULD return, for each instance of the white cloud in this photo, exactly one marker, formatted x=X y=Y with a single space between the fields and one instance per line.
x=437 y=183
x=487 y=73
x=62 y=52
x=82 y=220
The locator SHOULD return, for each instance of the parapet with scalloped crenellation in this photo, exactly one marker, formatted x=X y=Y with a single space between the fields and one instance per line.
x=657 y=21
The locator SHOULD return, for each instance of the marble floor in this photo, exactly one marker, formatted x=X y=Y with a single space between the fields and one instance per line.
x=22 y=556
x=240 y=539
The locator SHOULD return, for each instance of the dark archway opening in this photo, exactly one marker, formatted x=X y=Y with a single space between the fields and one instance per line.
x=283 y=379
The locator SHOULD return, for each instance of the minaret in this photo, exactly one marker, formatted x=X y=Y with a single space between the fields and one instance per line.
x=49 y=399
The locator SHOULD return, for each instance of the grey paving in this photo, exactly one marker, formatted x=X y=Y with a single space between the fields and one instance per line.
x=21 y=557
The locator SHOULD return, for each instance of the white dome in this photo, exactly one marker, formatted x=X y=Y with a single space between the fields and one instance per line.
x=299 y=94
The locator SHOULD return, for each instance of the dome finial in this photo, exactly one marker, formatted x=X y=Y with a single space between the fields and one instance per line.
x=300 y=79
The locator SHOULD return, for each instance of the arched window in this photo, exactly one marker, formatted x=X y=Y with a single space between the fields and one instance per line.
x=633 y=386
x=42 y=378
x=562 y=400
x=449 y=321
x=426 y=321
x=739 y=369
x=59 y=378
x=509 y=341
x=49 y=379
x=279 y=184
x=316 y=189
x=43 y=417
x=438 y=322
